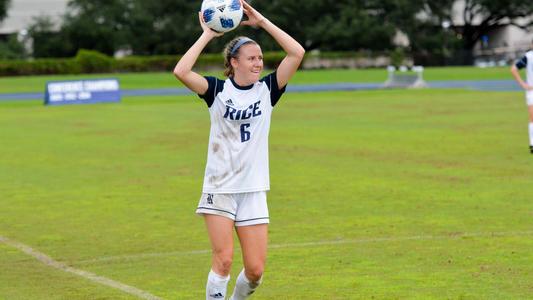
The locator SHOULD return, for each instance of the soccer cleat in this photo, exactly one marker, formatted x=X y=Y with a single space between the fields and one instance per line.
x=531 y=149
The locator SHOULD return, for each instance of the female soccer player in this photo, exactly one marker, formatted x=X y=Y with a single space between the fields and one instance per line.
x=526 y=62
x=237 y=175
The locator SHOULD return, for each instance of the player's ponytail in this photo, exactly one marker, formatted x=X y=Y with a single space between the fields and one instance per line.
x=232 y=51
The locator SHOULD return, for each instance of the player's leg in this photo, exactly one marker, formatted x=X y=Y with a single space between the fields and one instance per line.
x=219 y=212
x=253 y=241
x=530 y=110
x=252 y=229
x=220 y=230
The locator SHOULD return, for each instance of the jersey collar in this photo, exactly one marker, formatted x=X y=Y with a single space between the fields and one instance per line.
x=247 y=87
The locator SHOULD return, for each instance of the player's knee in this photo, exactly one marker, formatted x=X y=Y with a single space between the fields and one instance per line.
x=224 y=264
x=223 y=260
x=254 y=273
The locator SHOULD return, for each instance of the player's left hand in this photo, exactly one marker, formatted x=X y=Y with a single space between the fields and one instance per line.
x=210 y=32
x=254 y=17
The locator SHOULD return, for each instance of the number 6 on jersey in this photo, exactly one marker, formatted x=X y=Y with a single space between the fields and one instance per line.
x=245 y=134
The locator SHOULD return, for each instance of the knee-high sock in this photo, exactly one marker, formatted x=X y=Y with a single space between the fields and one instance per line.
x=216 y=286
x=244 y=287
x=531 y=133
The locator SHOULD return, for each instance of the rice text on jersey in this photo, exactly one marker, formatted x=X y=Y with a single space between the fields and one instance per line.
x=236 y=114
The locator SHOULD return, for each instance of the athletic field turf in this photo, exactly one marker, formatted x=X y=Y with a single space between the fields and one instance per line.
x=397 y=194
x=163 y=80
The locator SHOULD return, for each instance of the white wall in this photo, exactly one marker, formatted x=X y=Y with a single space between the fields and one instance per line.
x=21 y=12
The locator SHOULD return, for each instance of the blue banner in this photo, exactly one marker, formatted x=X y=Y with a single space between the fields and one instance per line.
x=82 y=91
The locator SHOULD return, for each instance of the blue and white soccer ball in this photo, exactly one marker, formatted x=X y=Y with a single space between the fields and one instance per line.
x=222 y=15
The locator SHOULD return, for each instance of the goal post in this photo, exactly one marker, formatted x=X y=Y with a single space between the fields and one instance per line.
x=405 y=77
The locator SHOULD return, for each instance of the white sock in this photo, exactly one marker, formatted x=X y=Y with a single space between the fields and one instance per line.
x=244 y=288
x=216 y=286
x=531 y=134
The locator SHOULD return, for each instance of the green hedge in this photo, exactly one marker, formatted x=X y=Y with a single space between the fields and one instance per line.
x=87 y=61
x=39 y=66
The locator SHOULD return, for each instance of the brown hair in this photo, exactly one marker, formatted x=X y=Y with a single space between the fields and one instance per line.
x=229 y=53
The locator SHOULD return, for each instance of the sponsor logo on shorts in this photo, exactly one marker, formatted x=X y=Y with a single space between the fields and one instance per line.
x=209 y=198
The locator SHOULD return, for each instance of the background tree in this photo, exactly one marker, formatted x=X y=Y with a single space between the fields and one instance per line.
x=97 y=24
x=171 y=26
x=4 y=6
x=426 y=24
x=163 y=27
x=476 y=19
x=492 y=14
x=343 y=25
x=11 y=47
x=143 y=27
x=47 y=41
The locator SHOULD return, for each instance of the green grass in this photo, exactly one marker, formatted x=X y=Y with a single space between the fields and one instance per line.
x=396 y=191
x=167 y=80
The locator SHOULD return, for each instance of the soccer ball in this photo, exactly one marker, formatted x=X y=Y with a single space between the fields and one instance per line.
x=222 y=15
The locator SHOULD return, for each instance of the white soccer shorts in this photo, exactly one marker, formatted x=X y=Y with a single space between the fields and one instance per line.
x=529 y=98
x=244 y=208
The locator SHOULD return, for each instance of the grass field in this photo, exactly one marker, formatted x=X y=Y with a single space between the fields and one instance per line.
x=397 y=194
x=166 y=80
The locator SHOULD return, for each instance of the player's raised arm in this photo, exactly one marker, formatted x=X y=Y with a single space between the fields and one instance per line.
x=183 y=70
x=295 y=51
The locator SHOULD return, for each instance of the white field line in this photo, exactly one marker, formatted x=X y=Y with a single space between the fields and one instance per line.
x=47 y=260
x=450 y=236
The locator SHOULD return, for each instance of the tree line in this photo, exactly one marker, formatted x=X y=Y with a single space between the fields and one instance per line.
x=170 y=26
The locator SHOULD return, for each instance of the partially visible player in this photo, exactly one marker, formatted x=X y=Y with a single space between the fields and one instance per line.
x=236 y=177
x=526 y=62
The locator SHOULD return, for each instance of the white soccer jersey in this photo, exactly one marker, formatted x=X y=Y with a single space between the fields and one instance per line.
x=527 y=62
x=237 y=157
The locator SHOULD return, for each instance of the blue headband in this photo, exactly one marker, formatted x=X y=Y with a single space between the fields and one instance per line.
x=237 y=45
